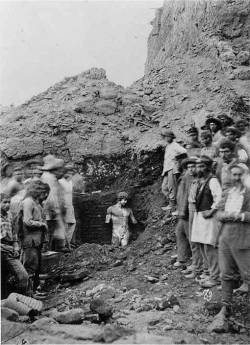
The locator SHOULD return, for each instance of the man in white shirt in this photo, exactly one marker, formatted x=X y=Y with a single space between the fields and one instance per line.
x=234 y=244
x=170 y=168
x=205 y=227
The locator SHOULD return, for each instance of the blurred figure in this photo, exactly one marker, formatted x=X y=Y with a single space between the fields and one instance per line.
x=6 y=175
x=170 y=168
x=193 y=146
x=215 y=126
x=208 y=149
x=69 y=217
x=10 y=262
x=15 y=183
x=34 y=232
x=55 y=204
x=241 y=125
x=119 y=214
x=234 y=134
x=225 y=121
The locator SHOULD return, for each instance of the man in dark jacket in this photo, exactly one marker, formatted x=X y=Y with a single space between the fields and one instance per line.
x=182 y=231
x=234 y=242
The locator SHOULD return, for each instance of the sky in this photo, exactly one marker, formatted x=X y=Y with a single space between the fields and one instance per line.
x=41 y=42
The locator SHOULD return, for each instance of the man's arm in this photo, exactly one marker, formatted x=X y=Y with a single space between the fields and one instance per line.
x=28 y=215
x=216 y=191
x=132 y=217
x=108 y=215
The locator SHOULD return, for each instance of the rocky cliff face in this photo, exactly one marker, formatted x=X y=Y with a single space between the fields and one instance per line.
x=197 y=66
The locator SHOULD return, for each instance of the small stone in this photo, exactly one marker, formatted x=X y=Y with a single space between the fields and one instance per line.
x=92 y=318
x=219 y=324
x=73 y=316
x=243 y=56
x=101 y=308
x=152 y=279
x=176 y=308
x=167 y=328
x=117 y=263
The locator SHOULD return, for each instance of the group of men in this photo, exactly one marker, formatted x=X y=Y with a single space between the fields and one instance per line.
x=207 y=185
x=37 y=215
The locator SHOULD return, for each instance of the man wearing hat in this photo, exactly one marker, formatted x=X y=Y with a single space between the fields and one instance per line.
x=234 y=243
x=193 y=146
x=226 y=158
x=170 y=168
x=215 y=126
x=55 y=204
x=119 y=214
x=182 y=229
x=205 y=228
x=233 y=134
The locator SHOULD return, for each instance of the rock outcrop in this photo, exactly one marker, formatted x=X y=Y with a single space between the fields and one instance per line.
x=197 y=66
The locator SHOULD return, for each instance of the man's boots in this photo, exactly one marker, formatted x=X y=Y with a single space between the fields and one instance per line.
x=220 y=321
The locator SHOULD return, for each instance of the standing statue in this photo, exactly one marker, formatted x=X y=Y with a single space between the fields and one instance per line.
x=120 y=215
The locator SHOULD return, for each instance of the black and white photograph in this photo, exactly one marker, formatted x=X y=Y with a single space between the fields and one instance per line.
x=125 y=171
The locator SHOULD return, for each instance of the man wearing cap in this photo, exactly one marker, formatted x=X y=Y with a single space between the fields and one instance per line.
x=119 y=214
x=55 y=204
x=208 y=149
x=69 y=217
x=234 y=241
x=182 y=230
x=170 y=168
x=205 y=227
x=193 y=146
x=226 y=158
x=233 y=134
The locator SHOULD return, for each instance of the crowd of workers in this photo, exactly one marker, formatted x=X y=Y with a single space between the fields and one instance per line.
x=206 y=182
x=37 y=215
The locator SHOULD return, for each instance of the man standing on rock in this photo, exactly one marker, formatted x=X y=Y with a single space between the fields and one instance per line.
x=234 y=244
x=182 y=228
x=120 y=215
x=170 y=168
x=205 y=228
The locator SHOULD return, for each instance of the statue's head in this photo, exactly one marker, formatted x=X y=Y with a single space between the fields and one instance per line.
x=122 y=198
